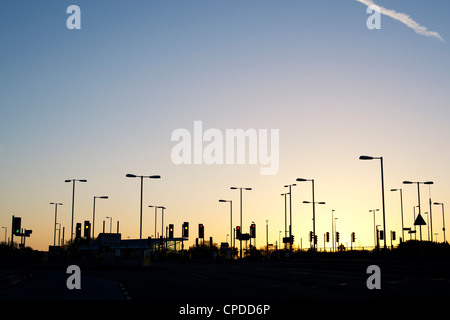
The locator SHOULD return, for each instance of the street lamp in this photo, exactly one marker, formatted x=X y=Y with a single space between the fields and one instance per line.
x=418 y=195
x=73 y=203
x=54 y=229
x=374 y=228
x=332 y=229
x=290 y=206
x=231 y=220
x=162 y=220
x=129 y=175
x=382 y=194
x=6 y=230
x=93 y=214
x=314 y=211
x=285 y=215
x=235 y=188
x=314 y=221
x=401 y=208
x=443 y=220
x=110 y=223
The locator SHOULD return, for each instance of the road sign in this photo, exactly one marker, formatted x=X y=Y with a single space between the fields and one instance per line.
x=109 y=239
x=419 y=221
x=244 y=237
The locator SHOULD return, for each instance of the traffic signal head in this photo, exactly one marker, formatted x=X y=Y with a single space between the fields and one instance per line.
x=337 y=236
x=16 y=225
x=253 y=230
x=186 y=229
x=238 y=232
x=328 y=236
x=201 y=231
x=87 y=229
x=78 y=231
x=170 y=230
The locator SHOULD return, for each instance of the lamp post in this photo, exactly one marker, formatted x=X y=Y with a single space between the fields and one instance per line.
x=285 y=216
x=443 y=220
x=382 y=195
x=314 y=222
x=156 y=208
x=418 y=197
x=332 y=229
x=374 y=228
x=314 y=211
x=290 y=206
x=162 y=220
x=54 y=229
x=6 y=230
x=235 y=188
x=110 y=223
x=129 y=175
x=93 y=213
x=73 y=203
x=231 y=220
x=428 y=226
x=401 y=208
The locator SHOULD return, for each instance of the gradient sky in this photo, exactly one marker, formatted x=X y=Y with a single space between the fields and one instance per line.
x=103 y=101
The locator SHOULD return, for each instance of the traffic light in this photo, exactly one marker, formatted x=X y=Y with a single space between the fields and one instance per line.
x=78 y=231
x=16 y=225
x=353 y=237
x=292 y=240
x=252 y=230
x=310 y=236
x=186 y=229
x=315 y=239
x=87 y=229
x=381 y=235
x=170 y=230
x=337 y=236
x=201 y=231
x=238 y=232
x=393 y=235
x=328 y=236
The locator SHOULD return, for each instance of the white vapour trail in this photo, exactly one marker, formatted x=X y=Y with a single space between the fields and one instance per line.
x=405 y=19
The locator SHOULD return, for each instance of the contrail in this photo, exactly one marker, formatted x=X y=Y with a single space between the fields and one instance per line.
x=405 y=19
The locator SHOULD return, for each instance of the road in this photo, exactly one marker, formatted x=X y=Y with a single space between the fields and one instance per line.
x=200 y=281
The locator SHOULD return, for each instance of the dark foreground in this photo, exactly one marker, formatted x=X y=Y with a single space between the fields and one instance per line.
x=264 y=282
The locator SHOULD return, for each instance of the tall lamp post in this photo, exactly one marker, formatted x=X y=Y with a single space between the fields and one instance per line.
x=418 y=197
x=73 y=203
x=156 y=208
x=231 y=220
x=382 y=195
x=93 y=213
x=401 y=210
x=285 y=216
x=314 y=210
x=443 y=220
x=236 y=188
x=290 y=206
x=54 y=229
x=332 y=229
x=129 y=175
x=314 y=221
x=374 y=227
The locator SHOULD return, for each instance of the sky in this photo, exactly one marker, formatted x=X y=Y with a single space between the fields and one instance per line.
x=102 y=101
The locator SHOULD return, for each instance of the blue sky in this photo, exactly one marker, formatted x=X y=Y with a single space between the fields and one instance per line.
x=102 y=101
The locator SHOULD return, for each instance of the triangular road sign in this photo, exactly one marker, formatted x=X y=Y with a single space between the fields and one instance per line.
x=419 y=221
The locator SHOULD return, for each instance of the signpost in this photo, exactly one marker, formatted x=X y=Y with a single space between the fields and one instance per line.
x=420 y=222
